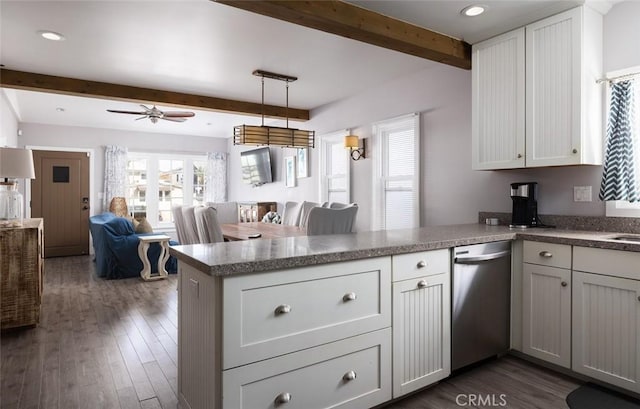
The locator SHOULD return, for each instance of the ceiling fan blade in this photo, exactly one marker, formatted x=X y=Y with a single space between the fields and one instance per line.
x=125 y=112
x=142 y=117
x=178 y=114
x=174 y=119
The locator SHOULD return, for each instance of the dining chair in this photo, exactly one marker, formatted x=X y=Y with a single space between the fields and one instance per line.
x=324 y=220
x=207 y=225
x=227 y=211
x=291 y=213
x=338 y=205
x=190 y=228
x=178 y=221
x=305 y=208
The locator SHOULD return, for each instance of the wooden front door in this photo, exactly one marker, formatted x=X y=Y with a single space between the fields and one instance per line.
x=60 y=195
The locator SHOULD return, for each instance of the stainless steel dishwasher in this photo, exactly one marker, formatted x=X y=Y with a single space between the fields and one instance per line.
x=481 y=299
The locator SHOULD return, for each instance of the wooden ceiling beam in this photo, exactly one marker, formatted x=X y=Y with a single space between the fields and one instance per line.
x=351 y=21
x=83 y=88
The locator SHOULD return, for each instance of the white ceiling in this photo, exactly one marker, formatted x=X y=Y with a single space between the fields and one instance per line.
x=202 y=47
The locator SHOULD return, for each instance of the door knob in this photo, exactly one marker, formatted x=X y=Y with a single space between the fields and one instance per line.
x=85 y=207
x=564 y=283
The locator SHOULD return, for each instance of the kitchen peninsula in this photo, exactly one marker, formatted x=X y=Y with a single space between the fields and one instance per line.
x=261 y=320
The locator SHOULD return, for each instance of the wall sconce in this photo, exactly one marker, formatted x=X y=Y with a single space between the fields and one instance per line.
x=352 y=142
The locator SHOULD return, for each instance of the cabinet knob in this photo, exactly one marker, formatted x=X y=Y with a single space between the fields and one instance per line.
x=349 y=376
x=422 y=264
x=349 y=297
x=564 y=283
x=546 y=254
x=574 y=150
x=519 y=156
x=283 y=309
x=282 y=398
x=422 y=283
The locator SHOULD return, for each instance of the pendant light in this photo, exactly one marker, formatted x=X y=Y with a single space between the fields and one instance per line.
x=273 y=135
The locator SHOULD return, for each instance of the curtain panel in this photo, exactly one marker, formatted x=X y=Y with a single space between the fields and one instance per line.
x=619 y=178
x=115 y=173
x=216 y=177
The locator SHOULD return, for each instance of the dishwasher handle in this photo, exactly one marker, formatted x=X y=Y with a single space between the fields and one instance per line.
x=481 y=258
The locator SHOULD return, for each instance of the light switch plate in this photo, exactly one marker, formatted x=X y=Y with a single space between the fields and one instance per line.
x=582 y=193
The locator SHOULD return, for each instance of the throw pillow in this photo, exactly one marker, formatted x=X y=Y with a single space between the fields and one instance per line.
x=143 y=226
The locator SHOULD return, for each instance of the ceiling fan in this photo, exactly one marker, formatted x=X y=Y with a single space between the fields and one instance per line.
x=154 y=114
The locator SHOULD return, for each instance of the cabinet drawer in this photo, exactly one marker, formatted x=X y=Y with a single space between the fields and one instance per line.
x=316 y=378
x=625 y=264
x=274 y=313
x=424 y=263
x=547 y=254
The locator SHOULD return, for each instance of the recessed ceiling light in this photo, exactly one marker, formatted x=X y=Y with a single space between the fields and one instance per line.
x=51 y=35
x=473 y=10
x=60 y=109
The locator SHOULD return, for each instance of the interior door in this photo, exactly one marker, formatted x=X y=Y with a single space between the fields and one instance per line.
x=60 y=195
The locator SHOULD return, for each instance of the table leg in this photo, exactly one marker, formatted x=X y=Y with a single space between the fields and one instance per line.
x=162 y=259
x=145 y=273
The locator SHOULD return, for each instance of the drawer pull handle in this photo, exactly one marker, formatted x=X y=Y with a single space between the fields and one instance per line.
x=283 y=309
x=349 y=376
x=546 y=254
x=349 y=297
x=282 y=398
x=422 y=264
x=564 y=283
x=422 y=283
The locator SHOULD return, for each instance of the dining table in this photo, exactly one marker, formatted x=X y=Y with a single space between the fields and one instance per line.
x=259 y=230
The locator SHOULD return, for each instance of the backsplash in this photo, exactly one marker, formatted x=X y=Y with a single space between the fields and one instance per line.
x=592 y=223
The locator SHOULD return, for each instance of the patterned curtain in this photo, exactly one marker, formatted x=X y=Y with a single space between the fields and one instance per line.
x=216 y=177
x=619 y=175
x=115 y=173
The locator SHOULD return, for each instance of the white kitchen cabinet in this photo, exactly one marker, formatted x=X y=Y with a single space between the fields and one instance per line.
x=546 y=301
x=546 y=309
x=562 y=107
x=421 y=327
x=498 y=102
x=606 y=315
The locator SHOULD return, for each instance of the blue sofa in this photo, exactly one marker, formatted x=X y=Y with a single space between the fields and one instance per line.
x=116 y=248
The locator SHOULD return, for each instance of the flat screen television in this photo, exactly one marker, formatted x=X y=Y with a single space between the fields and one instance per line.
x=256 y=166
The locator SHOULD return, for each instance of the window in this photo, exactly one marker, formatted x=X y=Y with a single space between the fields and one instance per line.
x=396 y=193
x=623 y=208
x=157 y=182
x=334 y=168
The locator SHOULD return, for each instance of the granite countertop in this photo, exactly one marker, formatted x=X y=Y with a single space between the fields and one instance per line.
x=251 y=256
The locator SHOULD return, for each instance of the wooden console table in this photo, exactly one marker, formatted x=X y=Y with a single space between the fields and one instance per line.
x=21 y=273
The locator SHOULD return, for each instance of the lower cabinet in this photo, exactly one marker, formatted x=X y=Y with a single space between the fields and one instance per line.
x=351 y=373
x=422 y=325
x=546 y=327
x=606 y=328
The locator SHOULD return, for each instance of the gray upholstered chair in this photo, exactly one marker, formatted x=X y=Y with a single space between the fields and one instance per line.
x=190 y=228
x=291 y=213
x=207 y=225
x=305 y=208
x=324 y=220
x=227 y=211
x=178 y=221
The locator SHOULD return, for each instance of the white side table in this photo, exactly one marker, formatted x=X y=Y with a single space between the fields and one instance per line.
x=143 y=247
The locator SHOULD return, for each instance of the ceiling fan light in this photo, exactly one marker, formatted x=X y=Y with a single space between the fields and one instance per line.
x=51 y=35
x=473 y=10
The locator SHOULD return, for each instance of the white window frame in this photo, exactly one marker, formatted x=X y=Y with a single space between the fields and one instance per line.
x=622 y=208
x=152 y=200
x=326 y=142
x=379 y=132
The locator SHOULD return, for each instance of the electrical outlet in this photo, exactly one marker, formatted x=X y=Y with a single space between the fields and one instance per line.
x=582 y=193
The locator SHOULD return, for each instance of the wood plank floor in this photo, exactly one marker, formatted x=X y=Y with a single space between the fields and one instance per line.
x=113 y=344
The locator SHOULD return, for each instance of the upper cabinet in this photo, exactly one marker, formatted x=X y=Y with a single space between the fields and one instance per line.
x=535 y=97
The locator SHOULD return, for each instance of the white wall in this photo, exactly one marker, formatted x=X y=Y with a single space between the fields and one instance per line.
x=8 y=123
x=97 y=139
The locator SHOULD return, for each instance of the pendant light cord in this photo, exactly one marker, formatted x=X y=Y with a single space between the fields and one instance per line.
x=263 y=100
x=287 y=104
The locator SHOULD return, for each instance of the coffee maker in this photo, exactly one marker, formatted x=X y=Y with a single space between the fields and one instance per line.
x=525 y=206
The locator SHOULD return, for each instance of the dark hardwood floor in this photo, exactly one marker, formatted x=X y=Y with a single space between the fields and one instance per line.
x=113 y=344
